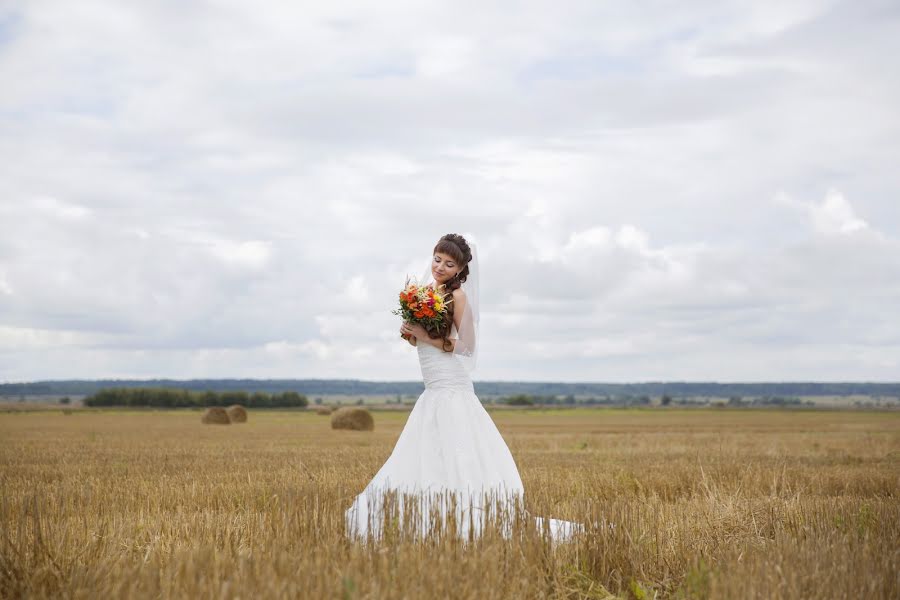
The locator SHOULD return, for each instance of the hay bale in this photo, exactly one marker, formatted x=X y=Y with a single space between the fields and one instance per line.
x=352 y=417
x=237 y=413
x=324 y=410
x=216 y=415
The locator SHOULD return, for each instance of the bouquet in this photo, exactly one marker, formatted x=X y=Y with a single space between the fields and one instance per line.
x=424 y=305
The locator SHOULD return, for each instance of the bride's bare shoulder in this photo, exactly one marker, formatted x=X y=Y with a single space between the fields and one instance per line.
x=459 y=295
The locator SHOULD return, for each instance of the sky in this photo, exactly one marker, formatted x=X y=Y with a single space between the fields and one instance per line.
x=690 y=191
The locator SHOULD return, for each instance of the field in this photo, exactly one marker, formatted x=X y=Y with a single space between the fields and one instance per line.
x=705 y=503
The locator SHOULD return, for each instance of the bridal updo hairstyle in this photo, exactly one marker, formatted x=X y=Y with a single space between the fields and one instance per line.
x=455 y=246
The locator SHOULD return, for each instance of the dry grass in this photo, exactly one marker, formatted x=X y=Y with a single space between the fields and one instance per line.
x=706 y=504
x=6 y=407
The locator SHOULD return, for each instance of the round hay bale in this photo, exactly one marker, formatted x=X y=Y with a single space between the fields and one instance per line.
x=351 y=417
x=237 y=413
x=216 y=415
x=323 y=410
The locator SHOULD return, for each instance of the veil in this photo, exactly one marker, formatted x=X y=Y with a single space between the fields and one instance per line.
x=466 y=347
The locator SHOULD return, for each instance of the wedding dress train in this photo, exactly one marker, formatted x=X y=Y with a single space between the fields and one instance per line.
x=449 y=445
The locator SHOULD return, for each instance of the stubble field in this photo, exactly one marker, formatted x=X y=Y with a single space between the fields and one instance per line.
x=703 y=504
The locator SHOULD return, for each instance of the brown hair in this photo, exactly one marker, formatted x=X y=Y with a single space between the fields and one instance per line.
x=455 y=246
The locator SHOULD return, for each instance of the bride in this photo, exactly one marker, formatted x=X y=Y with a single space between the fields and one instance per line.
x=450 y=455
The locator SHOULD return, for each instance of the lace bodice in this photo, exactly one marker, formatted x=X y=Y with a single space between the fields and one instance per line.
x=442 y=370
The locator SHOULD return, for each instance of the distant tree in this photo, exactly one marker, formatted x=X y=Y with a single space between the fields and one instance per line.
x=260 y=400
x=208 y=398
x=235 y=397
x=570 y=399
x=290 y=398
x=519 y=400
x=65 y=400
x=318 y=400
x=666 y=400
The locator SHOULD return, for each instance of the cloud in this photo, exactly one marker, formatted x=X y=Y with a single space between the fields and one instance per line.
x=252 y=254
x=833 y=215
x=5 y=288
x=229 y=190
x=54 y=208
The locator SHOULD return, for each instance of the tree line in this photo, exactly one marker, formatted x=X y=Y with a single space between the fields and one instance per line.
x=180 y=398
x=355 y=387
x=642 y=400
x=534 y=399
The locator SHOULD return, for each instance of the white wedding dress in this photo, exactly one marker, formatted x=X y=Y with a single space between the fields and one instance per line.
x=449 y=446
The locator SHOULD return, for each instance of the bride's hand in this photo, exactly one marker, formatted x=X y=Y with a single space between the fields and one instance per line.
x=413 y=329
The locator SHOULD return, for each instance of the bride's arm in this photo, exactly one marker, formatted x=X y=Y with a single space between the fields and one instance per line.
x=418 y=332
x=459 y=309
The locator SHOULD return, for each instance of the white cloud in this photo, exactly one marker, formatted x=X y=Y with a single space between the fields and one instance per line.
x=254 y=253
x=237 y=190
x=27 y=338
x=356 y=293
x=834 y=215
x=56 y=208
x=445 y=56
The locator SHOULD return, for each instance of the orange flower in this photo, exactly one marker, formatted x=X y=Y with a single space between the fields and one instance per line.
x=418 y=314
